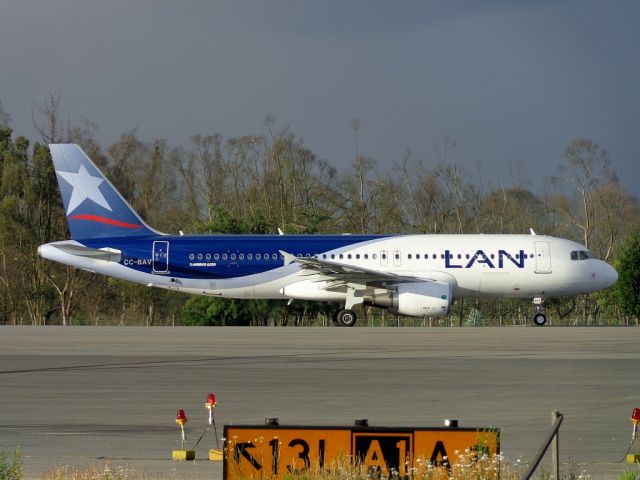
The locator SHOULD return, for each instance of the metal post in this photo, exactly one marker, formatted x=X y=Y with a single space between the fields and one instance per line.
x=555 y=447
x=555 y=428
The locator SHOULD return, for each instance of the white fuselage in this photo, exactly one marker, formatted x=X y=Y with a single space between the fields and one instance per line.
x=474 y=266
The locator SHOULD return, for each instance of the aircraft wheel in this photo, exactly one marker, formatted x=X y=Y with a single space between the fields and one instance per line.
x=346 y=318
x=539 y=319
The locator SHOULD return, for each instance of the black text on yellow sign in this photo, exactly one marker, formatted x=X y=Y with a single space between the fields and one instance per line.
x=276 y=451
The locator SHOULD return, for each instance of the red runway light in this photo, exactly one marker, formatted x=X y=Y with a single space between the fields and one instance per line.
x=635 y=416
x=211 y=400
x=181 y=417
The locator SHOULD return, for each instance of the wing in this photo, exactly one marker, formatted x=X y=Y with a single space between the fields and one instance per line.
x=340 y=275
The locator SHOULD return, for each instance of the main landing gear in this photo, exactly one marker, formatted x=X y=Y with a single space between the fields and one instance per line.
x=539 y=318
x=344 y=318
x=347 y=317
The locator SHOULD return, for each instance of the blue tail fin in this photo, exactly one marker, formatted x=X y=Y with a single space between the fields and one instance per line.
x=94 y=207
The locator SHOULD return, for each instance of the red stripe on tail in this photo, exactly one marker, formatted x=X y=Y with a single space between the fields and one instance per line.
x=109 y=221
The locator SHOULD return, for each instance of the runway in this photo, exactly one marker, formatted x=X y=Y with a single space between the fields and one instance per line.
x=81 y=395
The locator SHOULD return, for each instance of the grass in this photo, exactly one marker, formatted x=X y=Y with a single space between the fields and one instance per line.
x=10 y=465
x=469 y=466
x=94 y=472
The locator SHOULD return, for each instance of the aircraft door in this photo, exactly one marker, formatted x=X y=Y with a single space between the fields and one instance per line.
x=160 y=263
x=543 y=257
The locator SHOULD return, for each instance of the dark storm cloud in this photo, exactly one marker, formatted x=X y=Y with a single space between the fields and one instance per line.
x=510 y=81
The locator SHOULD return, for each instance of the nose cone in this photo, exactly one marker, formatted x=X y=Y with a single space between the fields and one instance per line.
x=608 y=275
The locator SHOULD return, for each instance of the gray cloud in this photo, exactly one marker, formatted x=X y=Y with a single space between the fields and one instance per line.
x=508 y=80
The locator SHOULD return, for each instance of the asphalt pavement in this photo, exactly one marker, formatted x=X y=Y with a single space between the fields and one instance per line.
x=90 y=395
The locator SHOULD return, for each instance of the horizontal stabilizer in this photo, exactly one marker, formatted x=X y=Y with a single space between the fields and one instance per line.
x=107 y=254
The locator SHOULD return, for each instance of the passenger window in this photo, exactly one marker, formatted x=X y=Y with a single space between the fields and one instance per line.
x=274 y=256
x=199 y=256
x=233 y=256
x=258 y=256
x=341 y=256
x=349 y=256
x=216 y=256
x=409 y=256
x=224 y=256
x=383 y=256
x=241 y=256
x=357 y=256
x=374 y=256
x=366 y=256
x=191 y=256
x=208 y=256
x=324 y=256
x=249 y=256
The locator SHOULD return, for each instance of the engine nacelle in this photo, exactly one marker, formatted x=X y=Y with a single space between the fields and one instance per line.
x=417 y=299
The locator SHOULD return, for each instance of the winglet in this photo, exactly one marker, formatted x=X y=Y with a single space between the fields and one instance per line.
x=288 y=258
x=531 y=231
x=280 y=232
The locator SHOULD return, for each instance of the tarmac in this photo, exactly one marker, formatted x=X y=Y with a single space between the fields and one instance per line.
x=108 y=395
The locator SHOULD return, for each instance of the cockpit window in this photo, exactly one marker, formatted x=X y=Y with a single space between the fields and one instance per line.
x=581 y=255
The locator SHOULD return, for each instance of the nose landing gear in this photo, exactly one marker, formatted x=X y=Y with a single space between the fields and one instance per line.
x=539 y=318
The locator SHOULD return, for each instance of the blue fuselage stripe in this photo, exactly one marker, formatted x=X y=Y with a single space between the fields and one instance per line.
x=218 y=256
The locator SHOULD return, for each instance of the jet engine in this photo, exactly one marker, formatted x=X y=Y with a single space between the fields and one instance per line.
x=417 y=299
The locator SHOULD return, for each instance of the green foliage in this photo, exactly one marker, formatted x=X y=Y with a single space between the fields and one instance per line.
x=211 y=311
x=474 y=318
x=10 y=465
x=221 y=221
x=627 y=475
x=628 y=286
x=216 y=311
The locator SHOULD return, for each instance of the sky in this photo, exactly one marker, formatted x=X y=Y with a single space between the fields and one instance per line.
x=512 y=82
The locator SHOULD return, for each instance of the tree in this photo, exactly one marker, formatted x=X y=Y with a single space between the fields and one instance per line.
x=5 y=118
x=587 y=168
x=46 y=119
x=199 y=310
x=628 y=286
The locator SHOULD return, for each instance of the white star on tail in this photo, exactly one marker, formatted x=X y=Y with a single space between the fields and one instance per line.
x=84 y=186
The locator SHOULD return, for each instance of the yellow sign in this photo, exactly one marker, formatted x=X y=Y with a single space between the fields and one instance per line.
x=275 y=451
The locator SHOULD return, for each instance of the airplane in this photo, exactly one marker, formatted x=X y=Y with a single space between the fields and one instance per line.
x=411 y=275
